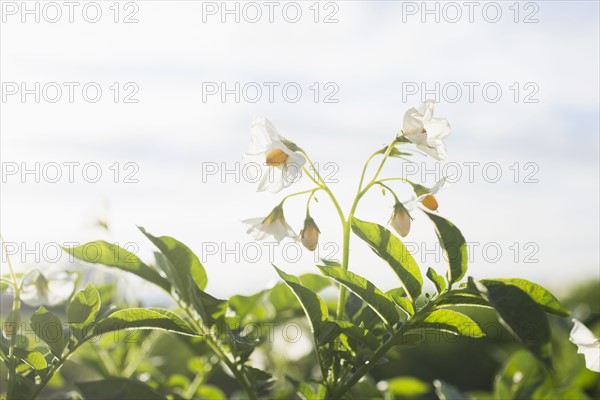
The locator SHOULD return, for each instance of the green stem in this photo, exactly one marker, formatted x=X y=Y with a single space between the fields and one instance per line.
x=383 y=185
x=16 y=309
x=55 y=368
x=348 y=222
x=384 y=348
x=237 y=373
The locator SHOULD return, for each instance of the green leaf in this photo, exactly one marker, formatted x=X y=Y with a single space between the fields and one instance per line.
x=537 y=293
x=394 y=252
x=260 y=379
x=102 y=252
x=181 y=265
x=83 y=308
x=34 y=359
x=210 y=392
x=521 y=315
x=142 y=318
x=48 y=328
x=210 y=309
x=398 y=295
x=375 y=298
x=282 y=298
x=448 y=321
x=461 y=299
x=117 y=389
x=355 y=334
x=454 y=245
x=407 y=387
x=445 y=391
x=437 y=280
x=313 y=305
x=521 y=377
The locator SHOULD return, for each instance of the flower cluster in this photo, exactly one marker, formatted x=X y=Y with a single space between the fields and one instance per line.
x=283 y=162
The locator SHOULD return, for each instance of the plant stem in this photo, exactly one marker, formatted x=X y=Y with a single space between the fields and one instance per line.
x=348 y=222
x=55 y=368
x=237 y=373
x=16 y=321
x=384 y=348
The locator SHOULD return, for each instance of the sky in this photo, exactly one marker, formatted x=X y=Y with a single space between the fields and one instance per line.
x=181 y=81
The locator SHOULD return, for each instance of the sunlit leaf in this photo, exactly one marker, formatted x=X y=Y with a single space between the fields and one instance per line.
x=313 y=305
x=448 y=321
x=398 y=295
x=407 y=387
x=454 y=245
x=142 y=318
x=48 y=328
x=540 y=295
x=394 y=252
x=437 y=280
x=111 y=255
x=375 y=298
x=34 y=359
x=461 y=299
x=182 y=264
x=83 y=308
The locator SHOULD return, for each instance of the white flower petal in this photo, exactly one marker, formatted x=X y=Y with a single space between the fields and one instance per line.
x=587 y=344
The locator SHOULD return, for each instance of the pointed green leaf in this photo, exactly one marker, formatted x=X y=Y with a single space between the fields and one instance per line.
x=34 y=359
x=142 y=318
x=313 y=305
x=117 y=389
x=83 y=308
x=111 y=255
x=448 y=321
x=398 y=295
x=356 y=334
x=537 y=293
x=375 y=298
x=394 y=252
x=182 y=264
x=437 y=280
x=407 y=387
x=48 y=328
x=210 y=309
x=454 y=245
x=521 y=315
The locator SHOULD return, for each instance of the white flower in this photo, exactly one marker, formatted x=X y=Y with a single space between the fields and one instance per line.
x=310 y=234
x=55 y=288
x=587 y=344
x=400 y=220
x=274 y=225
x=425 y=131
x=282 y=163
x=426 y=195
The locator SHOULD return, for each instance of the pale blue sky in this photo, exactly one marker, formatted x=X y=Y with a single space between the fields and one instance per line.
x=369 y=54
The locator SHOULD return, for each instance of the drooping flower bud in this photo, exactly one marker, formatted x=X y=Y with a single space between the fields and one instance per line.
x=400 y=220
x=10 y=327
x=430 y=202
x=310 y=234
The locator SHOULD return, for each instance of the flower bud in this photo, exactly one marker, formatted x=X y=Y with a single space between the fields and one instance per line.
x=310 y=234
x=11 y=325
x=430 y=202
x=400 y=220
